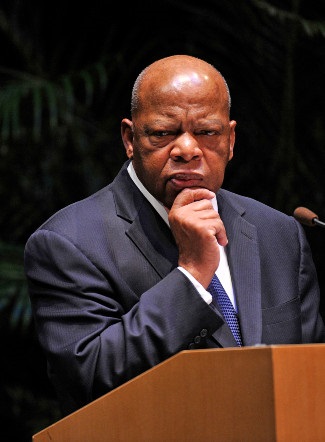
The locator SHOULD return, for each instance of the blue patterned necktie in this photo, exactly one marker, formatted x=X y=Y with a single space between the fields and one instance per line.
x=222 y=301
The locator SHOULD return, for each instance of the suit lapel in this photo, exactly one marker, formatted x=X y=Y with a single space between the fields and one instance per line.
x=244 y=262
x=145 y=228
x=153 y=238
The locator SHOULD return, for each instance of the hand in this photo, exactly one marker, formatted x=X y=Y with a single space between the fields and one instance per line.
x=197 y=229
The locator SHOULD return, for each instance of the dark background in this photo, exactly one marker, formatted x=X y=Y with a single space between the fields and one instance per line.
x=66 y=73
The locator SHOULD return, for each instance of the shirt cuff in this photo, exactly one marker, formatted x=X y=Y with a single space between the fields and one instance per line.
x=205 y=295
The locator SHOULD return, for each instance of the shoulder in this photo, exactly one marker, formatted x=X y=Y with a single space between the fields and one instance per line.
x=256 y=213
x=275 y=230
x=242 y=202
x=86 y=212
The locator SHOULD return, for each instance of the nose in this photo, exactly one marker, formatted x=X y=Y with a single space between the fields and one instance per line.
x=186 y=147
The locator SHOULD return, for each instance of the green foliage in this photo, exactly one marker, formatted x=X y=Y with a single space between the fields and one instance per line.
x=310 y=27
x=57 y=102
x=29 y=413
x=15 y=308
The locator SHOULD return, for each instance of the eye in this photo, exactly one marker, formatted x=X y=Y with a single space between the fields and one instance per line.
x=159 y=134
x=160 y=138
x=209 y=133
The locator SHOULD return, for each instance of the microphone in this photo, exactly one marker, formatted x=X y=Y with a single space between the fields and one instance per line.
x=307 y=217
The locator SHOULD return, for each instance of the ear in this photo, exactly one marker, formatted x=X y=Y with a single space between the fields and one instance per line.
x=232 y=137
x=127 y=136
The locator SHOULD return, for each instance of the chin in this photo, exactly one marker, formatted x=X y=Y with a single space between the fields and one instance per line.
x=169 y=201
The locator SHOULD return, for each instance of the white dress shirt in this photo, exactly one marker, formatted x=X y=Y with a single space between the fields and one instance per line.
x=222 y=271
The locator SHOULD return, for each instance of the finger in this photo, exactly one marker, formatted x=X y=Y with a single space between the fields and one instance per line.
x=219 y=232
x=188 y=196
x=222 y=237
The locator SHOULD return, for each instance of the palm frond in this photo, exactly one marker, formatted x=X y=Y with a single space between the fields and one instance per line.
x=51 y=103
x=15 y=309
x=310 y=27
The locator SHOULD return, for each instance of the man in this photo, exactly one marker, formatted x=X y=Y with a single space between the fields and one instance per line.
x=118 y=282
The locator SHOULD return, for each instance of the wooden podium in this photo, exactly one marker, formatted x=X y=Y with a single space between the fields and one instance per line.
x=267 y=393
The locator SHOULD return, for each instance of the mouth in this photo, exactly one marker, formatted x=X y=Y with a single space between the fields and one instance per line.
x=184 y=180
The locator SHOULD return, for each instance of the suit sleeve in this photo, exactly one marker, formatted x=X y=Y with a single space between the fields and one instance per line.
x=312 y=323
x=95 y=332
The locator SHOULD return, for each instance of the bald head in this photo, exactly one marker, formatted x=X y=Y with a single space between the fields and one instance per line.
x=175 y=73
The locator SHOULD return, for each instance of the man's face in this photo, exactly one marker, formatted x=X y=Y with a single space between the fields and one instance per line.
x=182 y=138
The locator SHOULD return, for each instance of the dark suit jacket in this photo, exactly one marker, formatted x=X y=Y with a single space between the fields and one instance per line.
x=110 y=303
